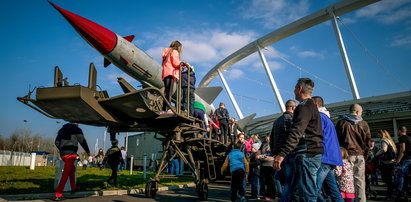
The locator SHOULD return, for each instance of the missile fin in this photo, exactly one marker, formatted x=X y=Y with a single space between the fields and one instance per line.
x=106 y=62
x=129 y=38
x=209 y=94
x=125 y=85
x=242 y=123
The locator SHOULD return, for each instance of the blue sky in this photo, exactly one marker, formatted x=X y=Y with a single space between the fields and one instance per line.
x=35 y=38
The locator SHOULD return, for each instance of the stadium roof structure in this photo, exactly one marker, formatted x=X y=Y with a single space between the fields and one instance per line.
x=381 y=112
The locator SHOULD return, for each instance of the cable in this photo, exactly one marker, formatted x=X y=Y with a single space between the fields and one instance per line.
x=252 y=98
x=382 y=66
x=315 y=76
x=263 y=84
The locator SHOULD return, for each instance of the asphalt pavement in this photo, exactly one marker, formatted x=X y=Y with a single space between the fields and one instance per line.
x=218 y=191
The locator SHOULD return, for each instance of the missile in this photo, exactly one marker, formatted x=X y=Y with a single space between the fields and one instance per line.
x=125 y=55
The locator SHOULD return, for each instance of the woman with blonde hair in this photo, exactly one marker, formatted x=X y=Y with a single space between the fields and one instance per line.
x=171 y=71
x=386 y=155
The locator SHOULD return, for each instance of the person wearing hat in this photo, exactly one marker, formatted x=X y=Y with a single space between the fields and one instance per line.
x=113 y=158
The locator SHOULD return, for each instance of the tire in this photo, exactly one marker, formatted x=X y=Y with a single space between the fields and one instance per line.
x=151 y=190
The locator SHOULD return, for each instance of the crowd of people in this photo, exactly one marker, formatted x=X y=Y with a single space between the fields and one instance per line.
x=304 y=158
x=308 y=158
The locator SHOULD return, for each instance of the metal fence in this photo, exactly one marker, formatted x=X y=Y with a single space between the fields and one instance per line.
x=9 y=158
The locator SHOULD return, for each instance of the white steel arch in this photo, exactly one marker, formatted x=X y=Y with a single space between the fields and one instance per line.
x=302 y=24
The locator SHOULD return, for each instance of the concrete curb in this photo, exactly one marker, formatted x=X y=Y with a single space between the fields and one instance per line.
x=83 y=194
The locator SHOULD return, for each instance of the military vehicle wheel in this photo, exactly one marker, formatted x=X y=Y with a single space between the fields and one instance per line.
x=202 y=191
x=151 y=189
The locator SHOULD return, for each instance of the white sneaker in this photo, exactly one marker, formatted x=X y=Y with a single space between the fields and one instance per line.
x=170 y=112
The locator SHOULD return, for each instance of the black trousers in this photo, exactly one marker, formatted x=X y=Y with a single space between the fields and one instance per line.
x=168 y=85
x=114 y=167
x=224 y=131
x=387 y=171
x=267 y=184
x=188 y=101
x=237 y=181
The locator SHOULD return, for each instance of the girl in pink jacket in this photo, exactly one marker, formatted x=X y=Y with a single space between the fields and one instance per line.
x=171 y=70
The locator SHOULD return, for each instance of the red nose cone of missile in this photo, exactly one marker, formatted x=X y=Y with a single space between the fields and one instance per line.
x=97 y=36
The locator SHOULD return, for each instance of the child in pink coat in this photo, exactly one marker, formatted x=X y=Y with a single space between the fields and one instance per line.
x=171 y=70
x=345 y=178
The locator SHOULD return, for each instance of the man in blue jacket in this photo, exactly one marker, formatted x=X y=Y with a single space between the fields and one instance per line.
x=238 y=167
x=331 y=157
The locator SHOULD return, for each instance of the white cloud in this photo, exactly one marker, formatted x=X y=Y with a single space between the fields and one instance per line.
x=112 y=77
x=235 y=73
x=198 y=51
x=306 y=54
x=202 y=48
x=402 y=41
x=388 y=11
x=275 y=13
x=274 y=65
x=227 y=43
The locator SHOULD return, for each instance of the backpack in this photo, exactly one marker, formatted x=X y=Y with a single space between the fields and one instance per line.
x=389 y=154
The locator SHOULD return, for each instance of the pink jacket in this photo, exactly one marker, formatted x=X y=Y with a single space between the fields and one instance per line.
x=248 y=145
x=171 y=66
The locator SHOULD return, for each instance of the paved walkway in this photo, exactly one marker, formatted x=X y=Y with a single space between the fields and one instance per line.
x=218 y=191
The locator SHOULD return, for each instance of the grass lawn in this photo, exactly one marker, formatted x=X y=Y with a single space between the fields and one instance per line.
x=22 y=180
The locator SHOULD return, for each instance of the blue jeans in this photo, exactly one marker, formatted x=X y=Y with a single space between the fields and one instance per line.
x=175 y=166
x=277 y=182
x=326 y=181
x=255 y=185
x=405 y=164
x=122 y=165
x=304 y=183
x=289 y=169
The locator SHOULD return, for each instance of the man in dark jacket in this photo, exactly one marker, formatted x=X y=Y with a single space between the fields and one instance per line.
x=279 y=133
x=223 y=115
x=281 y=127
x=188 y=81
x=403 y=158
x=304 y=143
x=354 y=134
x=67 y=140
x=113 y=158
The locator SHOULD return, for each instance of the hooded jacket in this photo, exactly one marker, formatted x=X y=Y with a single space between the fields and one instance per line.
x=68 y=138
x=332 y=152
x=171 y=65
x=353 y=134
